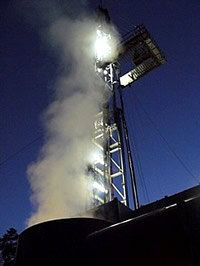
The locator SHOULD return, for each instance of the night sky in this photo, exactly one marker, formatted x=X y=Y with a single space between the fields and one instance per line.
x=162 y=108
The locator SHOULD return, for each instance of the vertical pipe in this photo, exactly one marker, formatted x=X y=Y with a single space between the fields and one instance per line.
x=130 y=160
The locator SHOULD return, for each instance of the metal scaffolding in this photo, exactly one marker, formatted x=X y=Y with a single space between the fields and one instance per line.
x=111 y=136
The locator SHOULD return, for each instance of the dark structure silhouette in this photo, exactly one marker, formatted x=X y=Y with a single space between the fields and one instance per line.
x=165 y=233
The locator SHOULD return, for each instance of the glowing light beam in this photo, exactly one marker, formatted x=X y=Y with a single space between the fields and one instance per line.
x=102 y=46
x=100 y=187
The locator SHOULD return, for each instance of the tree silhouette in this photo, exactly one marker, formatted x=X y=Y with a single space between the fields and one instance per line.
x=8 y=245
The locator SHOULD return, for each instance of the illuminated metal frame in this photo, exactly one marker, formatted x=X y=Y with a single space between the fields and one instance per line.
x=117 y=165
x=107 y=138
x=148 y=58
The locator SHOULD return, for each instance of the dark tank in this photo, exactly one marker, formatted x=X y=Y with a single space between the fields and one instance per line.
x=56 y=242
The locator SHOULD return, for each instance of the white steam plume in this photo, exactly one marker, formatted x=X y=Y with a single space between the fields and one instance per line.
x=58 y=177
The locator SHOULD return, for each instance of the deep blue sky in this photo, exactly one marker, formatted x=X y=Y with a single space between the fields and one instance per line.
x=165 y=104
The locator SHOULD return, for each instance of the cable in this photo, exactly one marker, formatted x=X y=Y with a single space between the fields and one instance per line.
x=139 y=167
x=142 y=125
x=137 y=157
x=20 y=150
x=140 y=164
x=167 y=143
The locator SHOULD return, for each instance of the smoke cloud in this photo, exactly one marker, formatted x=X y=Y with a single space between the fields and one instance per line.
x=58 y=177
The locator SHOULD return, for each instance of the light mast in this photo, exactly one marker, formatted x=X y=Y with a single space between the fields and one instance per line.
x=111 y=137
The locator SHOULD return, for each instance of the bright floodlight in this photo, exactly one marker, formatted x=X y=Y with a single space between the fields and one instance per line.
x=100 y=187
x=102 y=46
